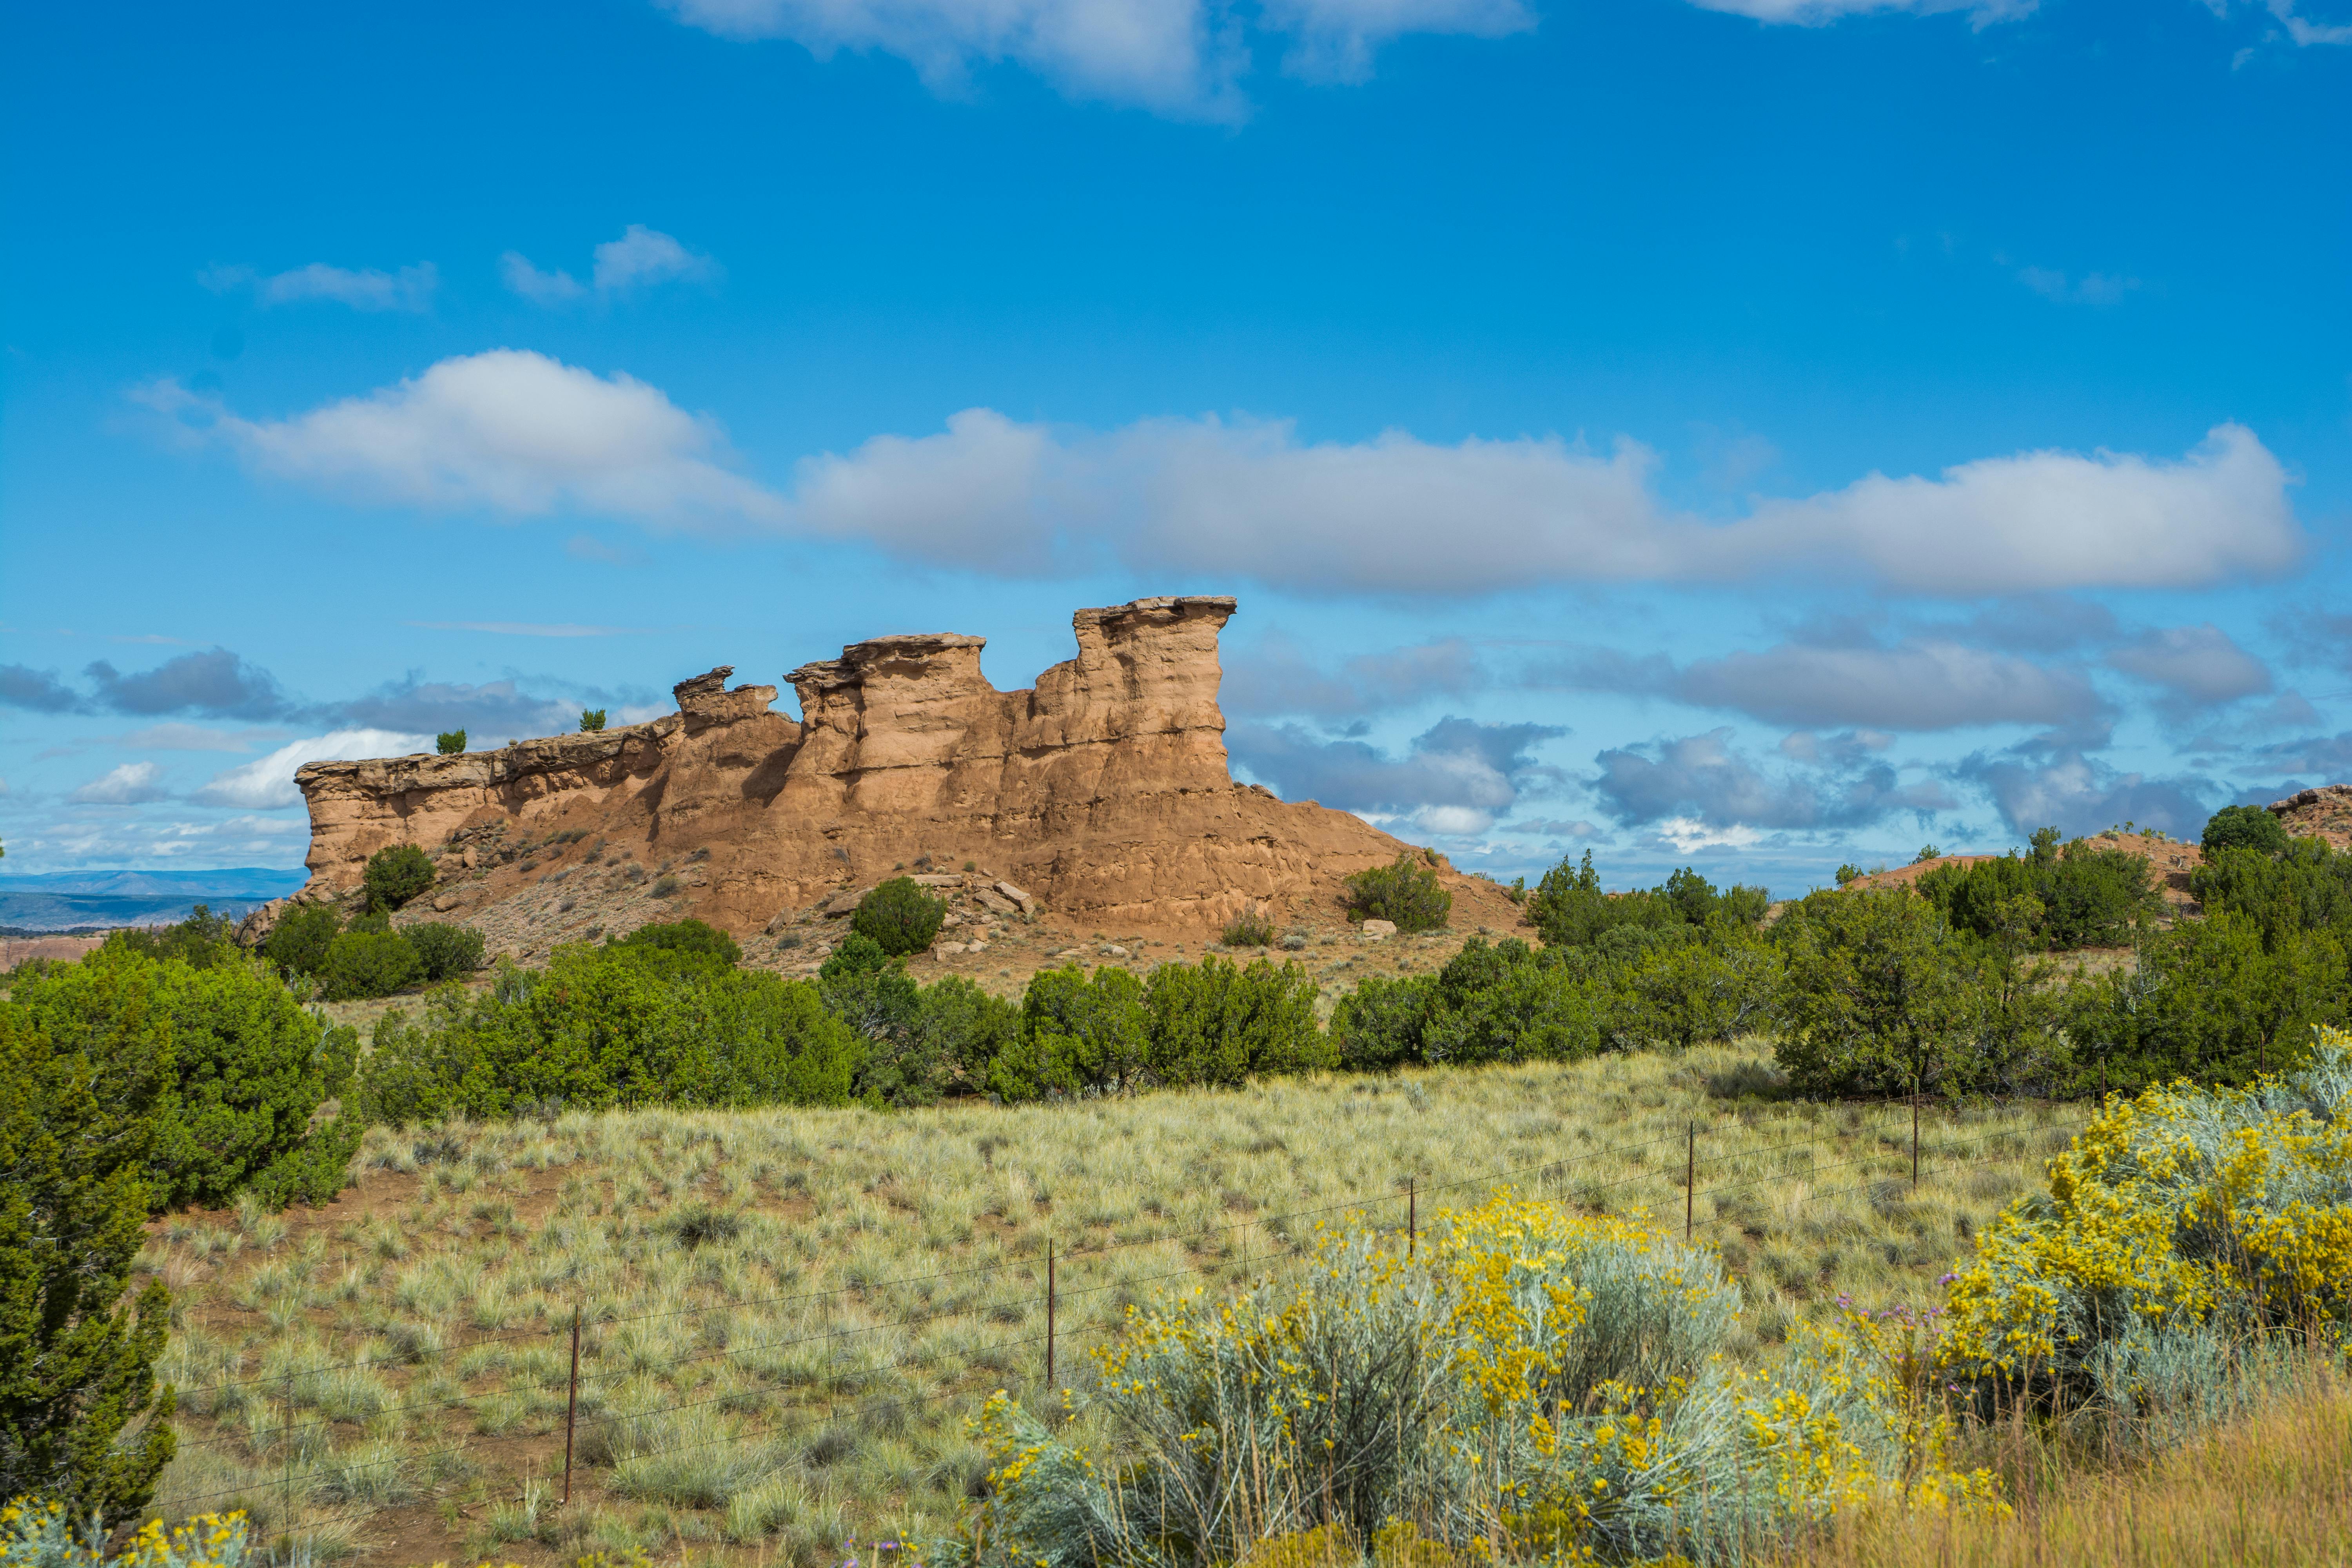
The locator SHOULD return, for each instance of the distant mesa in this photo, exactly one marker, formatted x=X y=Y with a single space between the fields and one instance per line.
x=1104 y=791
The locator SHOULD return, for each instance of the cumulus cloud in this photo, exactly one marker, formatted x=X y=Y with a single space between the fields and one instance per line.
x=38 y=691
x=641 y=259
x=515 y=432
x=2195 y=667
x=1398 y=515
x=1179 y=58
x=268 y=782
x=508 y=431
x=362 y=289
x=491 y=712
x=1455 y=778
x=2040 y=785
x=132 y=783
x=1706 y=783
x=1923 y=684
x=215 y=683
x=1278 y=677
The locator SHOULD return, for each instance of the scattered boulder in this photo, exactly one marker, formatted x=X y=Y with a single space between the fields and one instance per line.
x=1377 y=930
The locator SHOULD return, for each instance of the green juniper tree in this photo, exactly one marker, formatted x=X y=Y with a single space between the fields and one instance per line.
x=81 y=1421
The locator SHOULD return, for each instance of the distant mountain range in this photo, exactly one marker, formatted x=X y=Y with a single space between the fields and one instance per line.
x=60 y=900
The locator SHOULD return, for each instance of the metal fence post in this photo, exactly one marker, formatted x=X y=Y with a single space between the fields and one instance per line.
x=1049 y=1316
x=1690 y=1176
x=1411 y=1213
x=572 y=1404
x=290 y=1465
x=1915 y=1136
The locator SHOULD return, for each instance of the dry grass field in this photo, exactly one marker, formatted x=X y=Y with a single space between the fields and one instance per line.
x=789 y=1315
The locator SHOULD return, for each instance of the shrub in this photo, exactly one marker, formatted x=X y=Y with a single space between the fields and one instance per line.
x=1705 y=991
x=298 y=942
x=1078 y=1035
x=1849 y=873
x=202 y=940
x=1570 y=909
x=597 y=1029
x=76 y=1359
x=243 y=1071
x=2178 y=1223
x=43 y=1534
x=899 y=917
x=1380 y=1024
x=1252 y=928
x=1217 y=1022
x=364 y=963
x=591 y=719
x=1564 y=1365
x=1498 y=1003
x=1873 y=1003
x=444 y=952
x=2077 y=897
x=691 y=937
x=2245 y=827
x=449 y=742
x=395 y=874
x=1406 y=892
x=946 y=1042
x=2209 y=999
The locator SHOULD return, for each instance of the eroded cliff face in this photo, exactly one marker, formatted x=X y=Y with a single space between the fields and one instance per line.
x=1104 y=790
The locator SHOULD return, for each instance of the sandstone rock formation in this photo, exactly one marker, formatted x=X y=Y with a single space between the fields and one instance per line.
x=2322 y=813
x=1102 y=795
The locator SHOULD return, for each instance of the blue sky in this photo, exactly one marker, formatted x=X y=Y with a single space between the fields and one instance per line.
x=1757 y=433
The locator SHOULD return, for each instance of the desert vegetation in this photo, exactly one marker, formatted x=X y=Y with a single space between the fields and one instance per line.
x=808 y=1228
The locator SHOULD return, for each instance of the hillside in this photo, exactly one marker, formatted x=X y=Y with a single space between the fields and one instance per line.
x=1096 y=809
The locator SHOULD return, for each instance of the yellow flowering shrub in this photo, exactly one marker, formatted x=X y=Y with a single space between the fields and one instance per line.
x=35 y=1534
x=2181 y=1226
x=1534 y=1383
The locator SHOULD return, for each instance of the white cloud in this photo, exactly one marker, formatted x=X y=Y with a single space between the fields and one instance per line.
x=2092 y=289
x=2307 y=33
x=268 y=781
x=1399 y=515
x=1688 y=835
x=362 y=289
x=516 y=432
x=539 y=288
x=132 y=783
x=1182 y=58
x=641 y=259
x=642 y=256
x=2054 y=519
x=508 y=431
x=1821 y=13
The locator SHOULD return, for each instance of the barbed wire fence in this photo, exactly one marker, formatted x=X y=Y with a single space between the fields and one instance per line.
x=1230 y=1256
